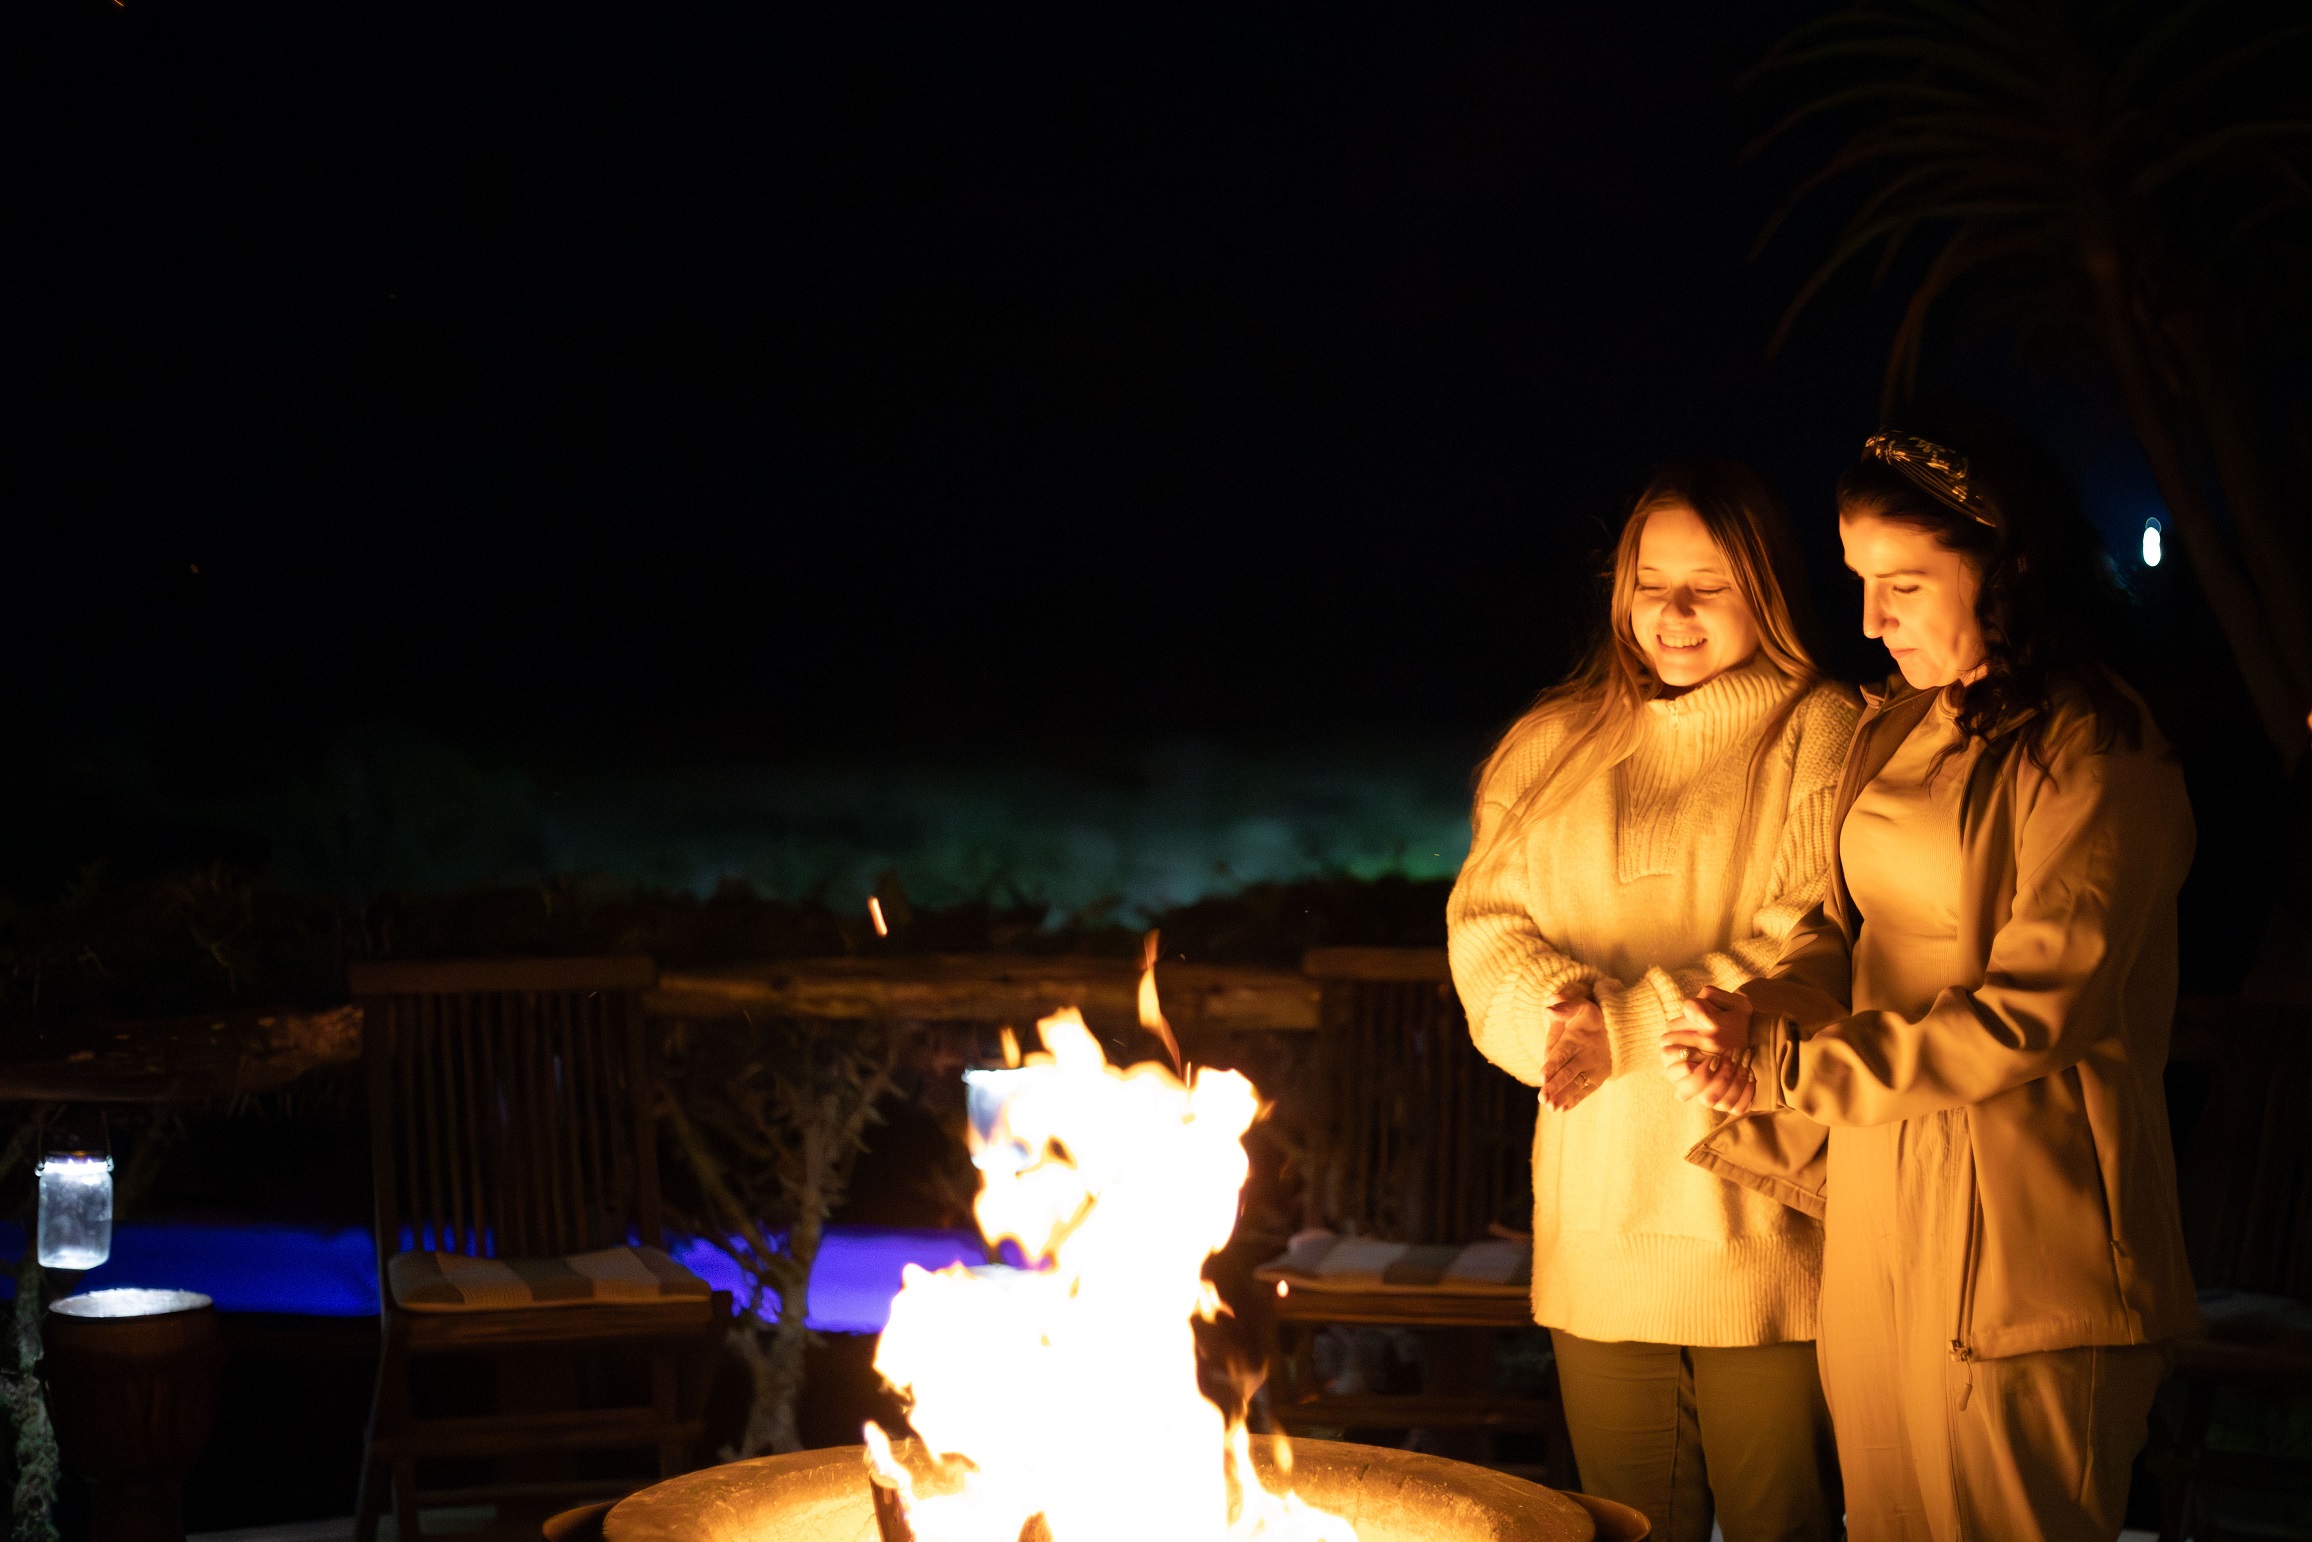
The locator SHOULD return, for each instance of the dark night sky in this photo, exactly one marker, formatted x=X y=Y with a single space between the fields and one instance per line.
x=870 y=381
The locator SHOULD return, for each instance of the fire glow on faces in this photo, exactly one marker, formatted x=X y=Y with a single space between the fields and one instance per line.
x=1918 y=598
x=1687 y=615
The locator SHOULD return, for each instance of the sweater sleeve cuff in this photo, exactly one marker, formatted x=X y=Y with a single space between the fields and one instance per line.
x=1520 y=1017
x=1543 y=982
x=1636 y=1016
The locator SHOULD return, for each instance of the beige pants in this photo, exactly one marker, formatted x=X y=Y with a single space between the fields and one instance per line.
x=1688 y=1434
x=2028 y=1448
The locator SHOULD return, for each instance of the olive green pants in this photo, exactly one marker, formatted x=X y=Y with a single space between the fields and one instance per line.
x=1690 y=1435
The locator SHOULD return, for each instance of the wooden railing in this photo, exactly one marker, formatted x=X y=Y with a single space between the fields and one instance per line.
x=992 y=988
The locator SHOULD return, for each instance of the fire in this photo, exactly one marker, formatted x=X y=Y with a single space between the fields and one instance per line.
x=1062 y=1398
x=1151 y=1012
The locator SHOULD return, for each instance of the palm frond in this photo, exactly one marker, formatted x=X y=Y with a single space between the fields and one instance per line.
x=1971 y=247
x=1847 y=158
x=1855 y=95
x=1986 y=208
x=2215 y=70
x=1926 y=52
x=2290 y=174
x=2235 y=239
x=1890 y=252
x=1984 y=159
x=1893 y=191
x=2149 y=51
x=1984 y=136
x=1855 y=154
x=1862 y=234
x=1972 y=19
x=1778 y=57
x=1851 y=244
x=2211 y=145
x=1974 y=139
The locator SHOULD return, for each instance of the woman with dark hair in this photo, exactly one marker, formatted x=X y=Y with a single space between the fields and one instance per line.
x=1957 y=1057
x=1659 y=822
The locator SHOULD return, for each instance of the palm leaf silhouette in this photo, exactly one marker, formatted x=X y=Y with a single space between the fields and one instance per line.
x=2128 y=171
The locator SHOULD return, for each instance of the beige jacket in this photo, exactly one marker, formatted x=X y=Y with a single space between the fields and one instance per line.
x=2054 y=1044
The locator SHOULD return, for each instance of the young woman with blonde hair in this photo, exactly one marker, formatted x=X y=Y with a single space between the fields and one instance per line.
x=1656 y=824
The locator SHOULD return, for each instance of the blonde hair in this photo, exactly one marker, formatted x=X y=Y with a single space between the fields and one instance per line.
x=1601 y=701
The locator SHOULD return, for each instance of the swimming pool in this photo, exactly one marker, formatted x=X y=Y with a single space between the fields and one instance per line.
x=322 y=1272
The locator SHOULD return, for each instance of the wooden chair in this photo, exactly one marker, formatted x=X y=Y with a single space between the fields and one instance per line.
x=510 y=1118
x=2240 y=1092
x=2240 y=1077
x=1422 y=1139
x=1417 y=1138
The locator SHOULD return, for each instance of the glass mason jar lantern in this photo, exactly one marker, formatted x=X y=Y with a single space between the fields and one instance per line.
x=993 y=1146
x=75 y=1204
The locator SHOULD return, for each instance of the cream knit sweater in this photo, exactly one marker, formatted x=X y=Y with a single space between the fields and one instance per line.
x=1646 y=883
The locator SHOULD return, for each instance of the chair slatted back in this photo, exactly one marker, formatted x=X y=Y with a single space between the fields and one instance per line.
x=2243 y=1129
x=1422 y=1139
x=510 y=1104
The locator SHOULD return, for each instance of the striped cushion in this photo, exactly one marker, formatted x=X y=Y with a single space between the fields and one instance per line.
x=1321 y=1260
x=452 y=1282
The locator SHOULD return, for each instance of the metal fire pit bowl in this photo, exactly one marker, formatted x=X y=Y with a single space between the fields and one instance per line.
x=1389 y=1496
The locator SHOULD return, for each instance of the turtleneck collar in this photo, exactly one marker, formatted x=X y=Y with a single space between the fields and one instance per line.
x=1749 y=688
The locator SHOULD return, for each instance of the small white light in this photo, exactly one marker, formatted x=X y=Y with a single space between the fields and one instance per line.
x=2152 y=551
x=75 y=1210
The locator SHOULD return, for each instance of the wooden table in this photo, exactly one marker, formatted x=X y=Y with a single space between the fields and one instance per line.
x=1458 y=1395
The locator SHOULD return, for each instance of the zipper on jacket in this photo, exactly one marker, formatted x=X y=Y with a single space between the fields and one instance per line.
x=1961 y=1349
x=1963 y=1327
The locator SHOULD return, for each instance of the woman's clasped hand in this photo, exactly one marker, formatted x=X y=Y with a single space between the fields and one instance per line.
x=1579 y=1058
x=1704 y=1048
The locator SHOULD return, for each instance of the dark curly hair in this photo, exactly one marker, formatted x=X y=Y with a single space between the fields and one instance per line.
x=2049 y=607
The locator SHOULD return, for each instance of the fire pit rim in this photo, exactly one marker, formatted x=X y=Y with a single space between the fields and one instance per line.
x=833 y=1482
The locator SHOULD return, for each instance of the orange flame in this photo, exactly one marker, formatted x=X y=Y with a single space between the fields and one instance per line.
x=875 y=914
x=1067 y=1391
x=1152 y=1014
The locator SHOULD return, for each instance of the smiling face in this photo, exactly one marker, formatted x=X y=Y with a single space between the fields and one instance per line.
x=1687 y=614
x=1918 y=597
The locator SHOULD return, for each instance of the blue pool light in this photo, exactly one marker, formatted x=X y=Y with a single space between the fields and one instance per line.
x=306 y=1270
x=857 y=1273
x=2153 y=543
x=332 y=1271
